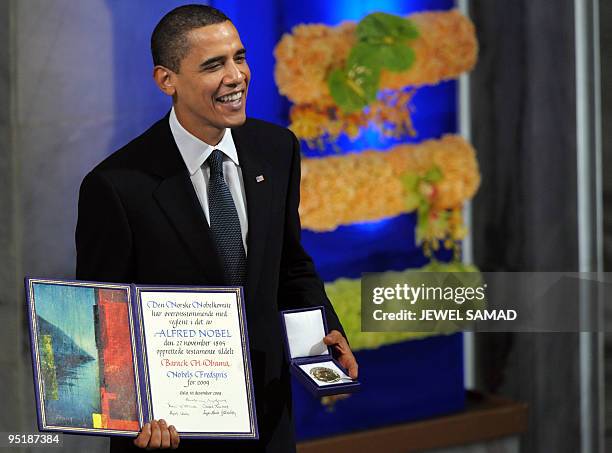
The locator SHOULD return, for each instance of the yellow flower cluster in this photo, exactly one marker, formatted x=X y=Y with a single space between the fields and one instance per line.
x=446 y=47
x=367 y=186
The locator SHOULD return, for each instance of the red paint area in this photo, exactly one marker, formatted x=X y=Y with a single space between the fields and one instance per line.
x=117 y=381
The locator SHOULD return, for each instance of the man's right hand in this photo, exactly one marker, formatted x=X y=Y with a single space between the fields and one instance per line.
x=157 y=435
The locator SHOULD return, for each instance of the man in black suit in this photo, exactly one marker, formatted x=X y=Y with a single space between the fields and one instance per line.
x=207 y=196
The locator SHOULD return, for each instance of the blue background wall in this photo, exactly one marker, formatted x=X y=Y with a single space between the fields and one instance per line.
x=81 y=87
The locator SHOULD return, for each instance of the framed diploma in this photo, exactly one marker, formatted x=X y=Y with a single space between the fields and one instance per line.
x=107 y=358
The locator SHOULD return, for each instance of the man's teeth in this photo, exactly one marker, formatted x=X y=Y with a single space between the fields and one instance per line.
x=231 y=97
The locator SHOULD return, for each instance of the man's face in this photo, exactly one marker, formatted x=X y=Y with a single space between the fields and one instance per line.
x=211 y=86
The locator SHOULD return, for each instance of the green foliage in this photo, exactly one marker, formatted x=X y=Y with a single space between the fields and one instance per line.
x=433 y=175
x=381 y=28
x=354 y=89
x=418 y=191
x=49 y=368
x=382 y=42
x=345 y=295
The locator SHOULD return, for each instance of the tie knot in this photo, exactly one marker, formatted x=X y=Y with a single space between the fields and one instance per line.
x=215 y=162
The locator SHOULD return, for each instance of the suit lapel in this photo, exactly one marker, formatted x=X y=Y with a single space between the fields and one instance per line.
x=178 y=200
x=258 y=193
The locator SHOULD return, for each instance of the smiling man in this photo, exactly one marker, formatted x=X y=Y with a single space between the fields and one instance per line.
x=207 y=196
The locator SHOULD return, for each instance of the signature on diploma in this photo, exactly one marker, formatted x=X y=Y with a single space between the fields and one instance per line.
x=183 y=410
x=193 y=406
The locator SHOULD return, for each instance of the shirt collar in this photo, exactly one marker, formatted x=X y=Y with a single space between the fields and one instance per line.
x=194 y=151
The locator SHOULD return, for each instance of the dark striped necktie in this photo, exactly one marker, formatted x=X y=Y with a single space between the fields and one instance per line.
x=225 y=224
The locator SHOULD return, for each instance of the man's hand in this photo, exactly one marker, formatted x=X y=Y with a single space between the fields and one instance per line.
x=342 y=352
x=157 y=435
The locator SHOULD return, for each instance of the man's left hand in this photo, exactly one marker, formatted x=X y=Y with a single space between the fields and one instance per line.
x=342 y=352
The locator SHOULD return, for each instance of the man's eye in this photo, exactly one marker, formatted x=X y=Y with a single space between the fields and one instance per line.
x=240 y=59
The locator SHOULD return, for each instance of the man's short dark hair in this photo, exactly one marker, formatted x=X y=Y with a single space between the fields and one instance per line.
x=170 y=43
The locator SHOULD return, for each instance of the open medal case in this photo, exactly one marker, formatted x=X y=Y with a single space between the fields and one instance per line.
x=311 y=361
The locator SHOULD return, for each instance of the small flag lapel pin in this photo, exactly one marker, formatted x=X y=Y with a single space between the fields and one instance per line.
x=259 y=178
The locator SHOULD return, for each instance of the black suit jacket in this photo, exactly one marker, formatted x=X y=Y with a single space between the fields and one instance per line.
x=140 y=221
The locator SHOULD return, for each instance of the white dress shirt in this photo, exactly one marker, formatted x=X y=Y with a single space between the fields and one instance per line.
x=195 y=152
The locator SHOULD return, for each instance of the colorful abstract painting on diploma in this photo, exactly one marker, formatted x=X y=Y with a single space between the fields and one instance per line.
x=85 y=356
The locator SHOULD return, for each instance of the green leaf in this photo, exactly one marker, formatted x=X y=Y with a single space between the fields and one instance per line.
x=410 y=181
x=345 y=96
x=381 y=44
x=364 y=54
x=363 y=74
x=383 y=28
x=354 y=88
x=396 y=57
x=422 y=217
x=411 y=201
x=412 y=198
x=434 y=175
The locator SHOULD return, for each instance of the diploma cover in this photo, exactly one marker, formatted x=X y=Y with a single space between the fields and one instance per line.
x=108 y=358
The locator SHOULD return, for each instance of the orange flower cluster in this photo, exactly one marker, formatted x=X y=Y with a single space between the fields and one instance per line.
x=446 y=47
x=368 y=186
x=304 y=59
x=389 y=115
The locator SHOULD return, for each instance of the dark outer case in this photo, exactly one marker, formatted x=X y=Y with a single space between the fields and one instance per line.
x=300 y=375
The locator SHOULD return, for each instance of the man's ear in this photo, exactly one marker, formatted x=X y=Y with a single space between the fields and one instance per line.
x=164 y=78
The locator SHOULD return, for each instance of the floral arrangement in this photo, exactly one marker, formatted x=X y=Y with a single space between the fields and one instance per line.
x=353 y=76
x=445 y=48
x=315 y=61
x=382 y=43
x=431 y=177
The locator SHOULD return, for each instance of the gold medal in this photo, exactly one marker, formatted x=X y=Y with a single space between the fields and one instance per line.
x=325 y=374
